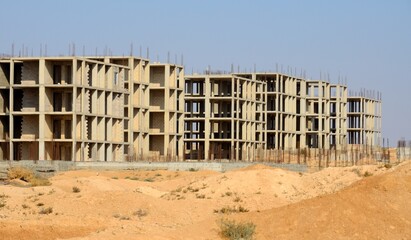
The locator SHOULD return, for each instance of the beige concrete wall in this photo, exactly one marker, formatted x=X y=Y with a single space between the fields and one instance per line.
x=30 y=100
x=117 y=130
x=30 y=127
x=3 y=127
x=48 y=72
x=157 y=122
x=30 y=73
x=157 y=76
x=156 y=100
x=4 y=74
x=48 y=127
x=157 y=144
x=4 y=100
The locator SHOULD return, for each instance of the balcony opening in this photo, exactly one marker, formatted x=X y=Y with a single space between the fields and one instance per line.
x=57 y=74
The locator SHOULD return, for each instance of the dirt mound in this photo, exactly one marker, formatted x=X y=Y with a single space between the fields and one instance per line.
x=187 y=204
x=46 y=231
x=374 y=208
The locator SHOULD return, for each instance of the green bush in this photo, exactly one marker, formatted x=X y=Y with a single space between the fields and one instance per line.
x=237 y=230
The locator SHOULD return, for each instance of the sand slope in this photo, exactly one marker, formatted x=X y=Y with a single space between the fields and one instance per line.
x=182 y=205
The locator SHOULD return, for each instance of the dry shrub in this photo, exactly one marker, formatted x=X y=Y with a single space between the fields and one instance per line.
x=357 y=171
x=237 y=230
x=46 y=210
x=21 y=173
x=38 y=181
x=237 y=199
x=3 y=200
x=27 y=175
x=201 y=196
x=367 y=174
x=228 y=209
x=140 y=213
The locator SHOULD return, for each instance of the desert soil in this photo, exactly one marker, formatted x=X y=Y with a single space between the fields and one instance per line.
x=334 y=203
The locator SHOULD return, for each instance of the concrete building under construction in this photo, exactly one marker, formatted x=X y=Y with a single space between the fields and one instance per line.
x=240 y=116
x=129 y=109
x=90 y=109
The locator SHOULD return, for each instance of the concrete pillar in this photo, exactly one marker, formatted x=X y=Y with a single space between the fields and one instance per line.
x=238 y=122
x=166 y=109
x=232 y=150
x=73 y=116
x=42 y=118
x=207 y=109
x=11 y=105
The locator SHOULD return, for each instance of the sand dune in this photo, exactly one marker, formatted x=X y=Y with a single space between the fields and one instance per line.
x=335 y=203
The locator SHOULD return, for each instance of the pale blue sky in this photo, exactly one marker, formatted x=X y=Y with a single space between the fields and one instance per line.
x=369 y=42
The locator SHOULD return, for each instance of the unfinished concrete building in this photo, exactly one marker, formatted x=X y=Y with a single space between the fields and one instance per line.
x=128 y=109
x=166 y=111
x=224 y=117
x=64 y=109
x=364 y=119
x=89 y=109
x=326 y=114
x=285 y=112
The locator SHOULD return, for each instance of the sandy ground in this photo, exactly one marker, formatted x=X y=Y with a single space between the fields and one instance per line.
x=335 y=203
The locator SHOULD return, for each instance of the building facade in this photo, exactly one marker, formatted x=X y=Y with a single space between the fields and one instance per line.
x=90 y=109
x=129 y=109
x=240 y=116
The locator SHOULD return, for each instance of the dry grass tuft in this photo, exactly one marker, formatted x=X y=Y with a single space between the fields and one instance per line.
x=124 y=218
x=21 y=173
x=228 y=210
x=46 y=210
x=367 y=174
x=237 y=199
x=237 y=230
x=201 y=196
x=28 y=176
x=76 y=189
x=140 y=213
x=387 y=165
x=38 y=181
